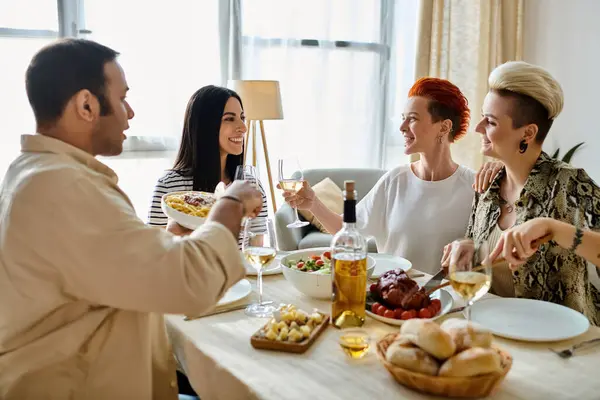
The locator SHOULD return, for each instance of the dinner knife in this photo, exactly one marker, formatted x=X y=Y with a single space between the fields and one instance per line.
x=436 y=280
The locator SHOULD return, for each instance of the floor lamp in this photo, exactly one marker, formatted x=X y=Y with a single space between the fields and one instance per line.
x=262 y=102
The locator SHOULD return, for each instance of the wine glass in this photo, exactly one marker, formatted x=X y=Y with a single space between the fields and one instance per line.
x=247 y=173
x=291 y=180
x=470 y=271
x=259 y=250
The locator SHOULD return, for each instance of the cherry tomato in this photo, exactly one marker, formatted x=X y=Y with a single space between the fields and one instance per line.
x=424 y=313
x=398 y=313
x=319 y=263
x=413 y=313
x=300 y=264
x=327 y=255
x=373 y=287
x=389 y=314
x=437 y=303
x=432 y=310
x=381 y=310
x=406 y=315
x=375 y=307
x=315 y=258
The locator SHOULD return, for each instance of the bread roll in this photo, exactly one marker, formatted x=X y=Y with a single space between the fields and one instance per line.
x=467 y=334
x=412 y=358
x=430 y=337
x=472 y=362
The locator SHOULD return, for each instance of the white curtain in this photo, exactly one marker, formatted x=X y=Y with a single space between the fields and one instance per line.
x=341 y=65
x=335 y=95
x=344 y=67
x=25 y=27
x=168 y=51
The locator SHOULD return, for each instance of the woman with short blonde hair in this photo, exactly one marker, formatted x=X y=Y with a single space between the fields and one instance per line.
x=518 y=112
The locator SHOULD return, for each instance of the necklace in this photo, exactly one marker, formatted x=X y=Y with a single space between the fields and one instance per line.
x=510 y=207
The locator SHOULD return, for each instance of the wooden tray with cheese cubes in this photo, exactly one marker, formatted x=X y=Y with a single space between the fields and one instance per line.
x=290 y=330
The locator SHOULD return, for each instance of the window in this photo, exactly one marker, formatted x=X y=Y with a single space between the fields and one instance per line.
x=339 y=63
x=167 y=53
x=330 y=58
x=22 y=34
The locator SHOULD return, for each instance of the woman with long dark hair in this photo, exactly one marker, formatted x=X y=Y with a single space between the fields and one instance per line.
x=212 y=147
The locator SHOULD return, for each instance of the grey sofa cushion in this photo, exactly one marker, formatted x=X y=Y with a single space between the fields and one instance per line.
x=320 y=239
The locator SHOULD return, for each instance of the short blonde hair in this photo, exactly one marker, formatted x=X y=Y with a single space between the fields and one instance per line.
x=529 y=80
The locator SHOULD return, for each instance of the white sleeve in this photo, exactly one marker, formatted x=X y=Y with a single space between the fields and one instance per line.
x=370 y=211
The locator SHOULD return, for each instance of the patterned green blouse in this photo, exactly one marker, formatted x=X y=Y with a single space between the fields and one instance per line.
x=557 y=190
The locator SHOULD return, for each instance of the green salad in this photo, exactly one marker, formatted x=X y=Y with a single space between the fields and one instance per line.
x=320 y=264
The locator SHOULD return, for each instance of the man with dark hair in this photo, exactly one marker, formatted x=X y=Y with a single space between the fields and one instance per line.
x=81 y=276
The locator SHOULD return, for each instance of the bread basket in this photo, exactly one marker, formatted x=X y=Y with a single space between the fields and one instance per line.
x=471 y=387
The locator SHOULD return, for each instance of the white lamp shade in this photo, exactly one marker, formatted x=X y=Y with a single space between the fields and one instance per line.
x=261 y=99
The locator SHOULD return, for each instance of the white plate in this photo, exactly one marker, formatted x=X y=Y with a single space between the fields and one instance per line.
x=529 y=320
x=442 y=294
x=236 y=292
x=388 y=262
x=183 y=219
x=273 y=269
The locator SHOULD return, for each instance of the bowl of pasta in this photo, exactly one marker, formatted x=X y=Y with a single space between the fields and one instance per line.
x=189 y=209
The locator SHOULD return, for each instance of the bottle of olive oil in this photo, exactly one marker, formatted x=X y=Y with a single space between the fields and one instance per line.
x=349 y=271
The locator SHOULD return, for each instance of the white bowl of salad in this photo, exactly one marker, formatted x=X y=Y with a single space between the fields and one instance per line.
x=309 y=271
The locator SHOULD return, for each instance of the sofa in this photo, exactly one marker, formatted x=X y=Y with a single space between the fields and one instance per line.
x=290 y=239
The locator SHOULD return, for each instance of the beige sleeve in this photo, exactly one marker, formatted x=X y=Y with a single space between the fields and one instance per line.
x=90 y=237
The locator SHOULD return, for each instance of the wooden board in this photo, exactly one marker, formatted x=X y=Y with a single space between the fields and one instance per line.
x=258 y=341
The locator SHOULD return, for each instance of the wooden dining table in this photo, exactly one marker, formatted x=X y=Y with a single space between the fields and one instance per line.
x=215 y=353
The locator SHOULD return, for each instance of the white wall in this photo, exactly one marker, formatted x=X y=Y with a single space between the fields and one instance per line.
x=563 y=36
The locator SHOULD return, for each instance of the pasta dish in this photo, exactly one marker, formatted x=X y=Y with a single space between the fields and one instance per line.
x=197 y=204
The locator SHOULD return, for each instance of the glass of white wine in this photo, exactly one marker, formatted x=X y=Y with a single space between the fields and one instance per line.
x=259 y=250
x=247 y=173
x=470 y=271
x=291 y=180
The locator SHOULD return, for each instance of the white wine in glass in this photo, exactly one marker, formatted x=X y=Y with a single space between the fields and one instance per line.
x=247 y=173
x=291 y=180
x=470 y=271
x=260 y=251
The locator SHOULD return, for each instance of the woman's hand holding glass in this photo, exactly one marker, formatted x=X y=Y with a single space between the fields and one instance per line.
x=291 y=180
x=303 y=199
x=469 y=270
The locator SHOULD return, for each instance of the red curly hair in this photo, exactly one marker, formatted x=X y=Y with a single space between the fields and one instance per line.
x=446 y=102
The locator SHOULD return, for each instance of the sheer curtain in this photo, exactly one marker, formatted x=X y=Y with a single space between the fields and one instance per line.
x=168 y=51
x=463 y=41
x=344 y=67
x=340 y=64
x=22 y=34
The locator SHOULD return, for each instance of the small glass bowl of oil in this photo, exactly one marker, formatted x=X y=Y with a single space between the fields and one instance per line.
x=355 y=342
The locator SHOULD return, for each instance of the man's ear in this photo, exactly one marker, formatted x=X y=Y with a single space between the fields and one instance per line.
x=86 y=105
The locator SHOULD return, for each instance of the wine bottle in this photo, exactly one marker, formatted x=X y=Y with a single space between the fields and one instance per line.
x=349 y=268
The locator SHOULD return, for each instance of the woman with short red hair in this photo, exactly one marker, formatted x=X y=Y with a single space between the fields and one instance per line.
x=415 y=209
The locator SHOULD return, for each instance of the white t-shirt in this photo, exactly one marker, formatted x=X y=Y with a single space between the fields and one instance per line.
x=415 y=219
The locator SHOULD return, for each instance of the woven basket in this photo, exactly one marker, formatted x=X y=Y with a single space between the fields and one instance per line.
x=470 y=387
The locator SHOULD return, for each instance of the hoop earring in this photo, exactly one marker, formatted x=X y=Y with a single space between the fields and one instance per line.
x=523 y=146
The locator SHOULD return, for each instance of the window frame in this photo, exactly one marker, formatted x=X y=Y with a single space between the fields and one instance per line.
x=71 y=17
x=383 y=48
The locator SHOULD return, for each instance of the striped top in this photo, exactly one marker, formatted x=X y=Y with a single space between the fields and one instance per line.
x=173 y=181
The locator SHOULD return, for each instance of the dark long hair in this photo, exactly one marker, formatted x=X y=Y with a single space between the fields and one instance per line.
x=199 y=154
